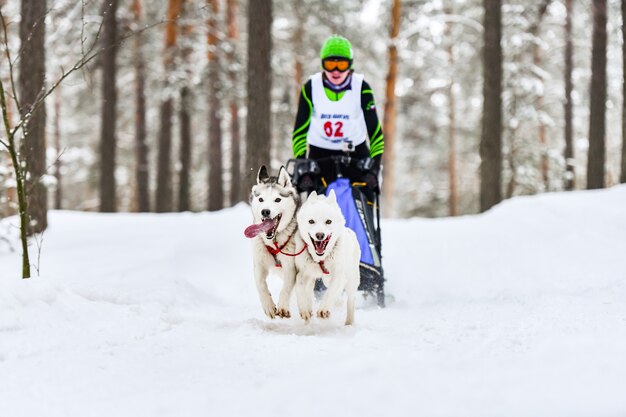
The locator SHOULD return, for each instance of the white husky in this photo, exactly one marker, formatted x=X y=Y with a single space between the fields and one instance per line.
x=274 y=203
x=332 y=253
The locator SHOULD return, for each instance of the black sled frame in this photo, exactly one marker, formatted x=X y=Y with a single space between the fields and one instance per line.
x=305 y=175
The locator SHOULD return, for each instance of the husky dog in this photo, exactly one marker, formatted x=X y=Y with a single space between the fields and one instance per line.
x=274 y=203
x=332 y=252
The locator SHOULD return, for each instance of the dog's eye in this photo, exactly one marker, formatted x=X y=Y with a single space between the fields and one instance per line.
x=329 y=221
x=277 y=200
x=261 y=200
x=311 y=221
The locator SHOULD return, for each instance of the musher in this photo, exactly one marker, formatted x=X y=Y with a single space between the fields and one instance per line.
x=337 y=116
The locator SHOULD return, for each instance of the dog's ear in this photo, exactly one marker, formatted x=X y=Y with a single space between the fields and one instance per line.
x=262 y=176
x=332 y=198
x=283 y=178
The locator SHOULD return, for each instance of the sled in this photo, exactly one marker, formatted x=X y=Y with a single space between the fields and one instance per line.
x=361 y=214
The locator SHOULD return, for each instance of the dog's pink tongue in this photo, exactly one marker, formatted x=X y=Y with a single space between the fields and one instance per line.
x=254 y=229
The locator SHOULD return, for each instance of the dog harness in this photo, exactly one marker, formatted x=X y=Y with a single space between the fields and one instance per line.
x=279 y=249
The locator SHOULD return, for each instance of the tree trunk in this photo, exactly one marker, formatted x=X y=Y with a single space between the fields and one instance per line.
x=235 y=146
x=142 y=172
x=216 y=184
x=164 y=197
x=597 y=108
x=58 y=193
x=452 y=166
x=452 y=174
x=11 y=191
x=259 y=86
x=389 y=117
x=184 y=192
x=164 y=171
x=11 y=146
x=32 y=65
x=298 y=45
x=184 y=177
x=570 y=173
x=622 y=177
x=491 y=137
x=543 y=140
x=109 y=105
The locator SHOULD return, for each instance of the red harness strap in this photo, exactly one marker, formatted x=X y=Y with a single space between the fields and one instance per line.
x=279 y=249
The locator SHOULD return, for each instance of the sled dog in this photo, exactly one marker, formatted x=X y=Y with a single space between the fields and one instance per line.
x=274 y=202
x=332 y=253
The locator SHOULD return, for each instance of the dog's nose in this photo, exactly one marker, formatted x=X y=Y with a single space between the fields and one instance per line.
x=265 y=212
x=319 y=236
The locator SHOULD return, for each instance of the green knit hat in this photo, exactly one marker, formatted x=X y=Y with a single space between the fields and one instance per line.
x=336 y=46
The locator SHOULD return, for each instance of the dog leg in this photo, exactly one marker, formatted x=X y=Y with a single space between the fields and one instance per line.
x=335 y=287
x=304 y=296
x=289 y=280
x=351 y=292
x=354 y=279
x=260 y=277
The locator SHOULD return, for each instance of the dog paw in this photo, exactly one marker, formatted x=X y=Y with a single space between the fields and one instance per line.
x=323 y=314
x=270 y=311
x=284 y=313
x=306 y=315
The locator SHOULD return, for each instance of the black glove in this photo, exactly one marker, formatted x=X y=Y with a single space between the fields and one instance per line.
x=306 y=183
x=371 y=177
x=372 y=181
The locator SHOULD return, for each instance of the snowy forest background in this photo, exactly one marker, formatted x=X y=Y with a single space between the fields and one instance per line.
x=196 y=71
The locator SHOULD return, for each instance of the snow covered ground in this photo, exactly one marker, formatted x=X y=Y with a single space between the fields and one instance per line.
x=517 y=312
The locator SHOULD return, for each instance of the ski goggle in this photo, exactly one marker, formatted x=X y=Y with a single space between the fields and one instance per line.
x=341 y=65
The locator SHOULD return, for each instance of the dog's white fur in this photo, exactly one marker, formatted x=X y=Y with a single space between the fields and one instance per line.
x=320 y=218
x=277 y=195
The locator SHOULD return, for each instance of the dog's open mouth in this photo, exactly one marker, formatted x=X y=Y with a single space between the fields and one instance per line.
x=272 y=226
x=267 y=226
x=320 y=245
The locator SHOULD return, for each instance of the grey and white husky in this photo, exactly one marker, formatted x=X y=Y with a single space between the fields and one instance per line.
x=274 y=202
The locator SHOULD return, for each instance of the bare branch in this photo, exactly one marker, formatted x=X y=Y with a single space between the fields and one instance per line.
x=82 y=27
x=10 y=60
x=80 y=64
x=36 y=180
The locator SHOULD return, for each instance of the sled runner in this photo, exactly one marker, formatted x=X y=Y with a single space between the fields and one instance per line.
x=360 y=207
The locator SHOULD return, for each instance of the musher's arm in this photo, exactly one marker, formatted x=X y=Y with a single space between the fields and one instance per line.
x=303 y=121
x=374 y=129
